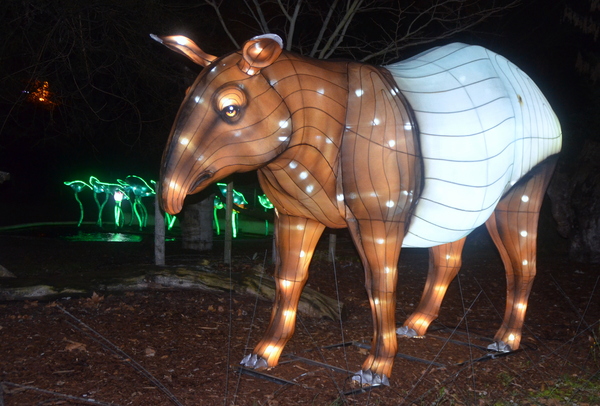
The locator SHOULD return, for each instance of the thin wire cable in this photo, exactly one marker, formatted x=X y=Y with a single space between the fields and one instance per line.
x=229 y=339
x=56 y=394
x=442 y=348
x=337 y=294
x=237 y=385
x=104 y=342
x=462 y=301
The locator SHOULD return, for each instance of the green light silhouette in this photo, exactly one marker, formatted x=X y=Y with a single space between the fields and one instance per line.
x=78 y=186
x=137 y=189
x=266 y=203
x=238 y=200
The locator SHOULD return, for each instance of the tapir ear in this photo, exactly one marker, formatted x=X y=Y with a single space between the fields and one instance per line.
x=260 y=52
x=187 y=47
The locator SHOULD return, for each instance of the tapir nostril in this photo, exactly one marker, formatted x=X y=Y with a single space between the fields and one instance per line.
x=203 y=176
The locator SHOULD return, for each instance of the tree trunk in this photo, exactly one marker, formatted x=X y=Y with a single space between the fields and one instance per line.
x=575 y=197
x=196 y=224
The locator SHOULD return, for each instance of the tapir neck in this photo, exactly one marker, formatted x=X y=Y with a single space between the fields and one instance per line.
x=307 y=172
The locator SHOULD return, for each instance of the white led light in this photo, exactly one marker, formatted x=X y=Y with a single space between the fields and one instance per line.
x=293 y=164
x=359 y=92
x=184 y=141
x=523 y=233
x=390 y=203
x=284 y=123
x=303 y=175
x=525 y=198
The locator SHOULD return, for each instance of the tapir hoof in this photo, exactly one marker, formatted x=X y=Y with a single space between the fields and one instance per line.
x=254 y=361
x=406 y=332
x=368 y=378
x=499 y=346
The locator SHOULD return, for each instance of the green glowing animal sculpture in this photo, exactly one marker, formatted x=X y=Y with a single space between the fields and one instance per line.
x=78 y=186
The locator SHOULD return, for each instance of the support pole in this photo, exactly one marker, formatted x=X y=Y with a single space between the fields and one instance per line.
x=159 y=234
x=332 y=244
x=228 y=223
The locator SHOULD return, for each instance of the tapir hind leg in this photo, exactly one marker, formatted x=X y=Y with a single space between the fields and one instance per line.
x=296 y=239
x=513 y=227
x=444 y=263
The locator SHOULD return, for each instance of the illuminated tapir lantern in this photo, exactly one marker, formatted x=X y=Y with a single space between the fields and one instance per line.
x=414 y=154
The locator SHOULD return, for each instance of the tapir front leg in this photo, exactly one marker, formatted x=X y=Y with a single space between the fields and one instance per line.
x=296 y=239
x=379 y=244
x=444 y=263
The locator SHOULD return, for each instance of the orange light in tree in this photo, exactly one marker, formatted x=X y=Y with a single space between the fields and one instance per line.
x=41 y=95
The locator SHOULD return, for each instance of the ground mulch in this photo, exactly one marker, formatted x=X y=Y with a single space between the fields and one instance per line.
x=182 y=347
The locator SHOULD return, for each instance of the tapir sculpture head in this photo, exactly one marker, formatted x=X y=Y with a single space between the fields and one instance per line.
x=231 y=120
x=337 y=144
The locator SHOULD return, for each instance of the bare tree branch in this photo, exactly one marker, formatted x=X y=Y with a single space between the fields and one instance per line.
x=323 y=29
x=216 y=7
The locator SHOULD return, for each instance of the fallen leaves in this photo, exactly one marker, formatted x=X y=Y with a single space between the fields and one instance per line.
x=74 y=346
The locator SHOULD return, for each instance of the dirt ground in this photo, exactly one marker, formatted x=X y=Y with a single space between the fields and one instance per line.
x=183 y=347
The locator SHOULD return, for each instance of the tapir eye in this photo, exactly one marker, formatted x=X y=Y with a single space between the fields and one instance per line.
x=229 y=103
x=231 y=111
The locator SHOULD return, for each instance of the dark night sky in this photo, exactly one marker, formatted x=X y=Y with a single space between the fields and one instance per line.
x=534 y=35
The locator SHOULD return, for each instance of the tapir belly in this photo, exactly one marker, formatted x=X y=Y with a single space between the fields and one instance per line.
x=483 y=124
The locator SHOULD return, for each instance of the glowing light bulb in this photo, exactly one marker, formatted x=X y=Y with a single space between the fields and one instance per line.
x=303 y=175
x=359 y=92
x=525 y=262
x=376 y=121
x=525 y=198
x=523 y=233
x=302 y=254
x=511 y=337
x=390 y=203
x=286 y=284
x=284 y=123
x=184 y=141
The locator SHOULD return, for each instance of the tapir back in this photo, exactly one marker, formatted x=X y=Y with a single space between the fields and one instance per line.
x=483 y=124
